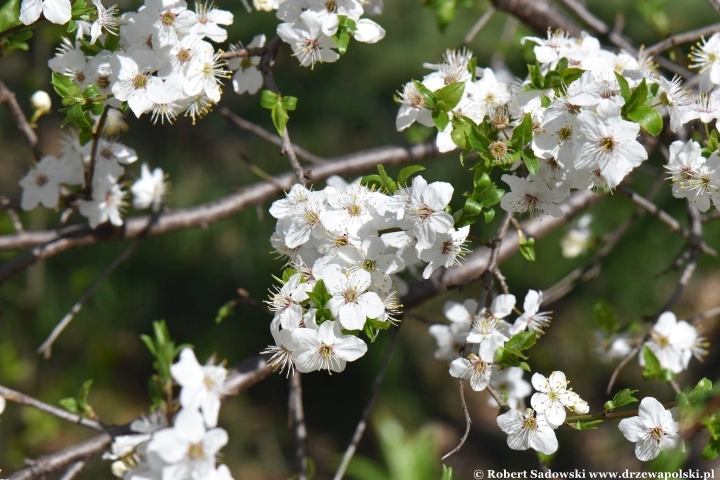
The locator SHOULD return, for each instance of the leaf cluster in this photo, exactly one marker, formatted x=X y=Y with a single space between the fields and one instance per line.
x=79 y=104
x=279 y=106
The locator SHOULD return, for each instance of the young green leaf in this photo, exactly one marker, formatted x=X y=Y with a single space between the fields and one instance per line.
x=652 y=364
x=647 y=118
x=407 y=172
x=268 y=99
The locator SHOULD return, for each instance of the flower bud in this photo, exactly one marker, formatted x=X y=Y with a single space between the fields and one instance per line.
x=581 y=407
x=41 y=102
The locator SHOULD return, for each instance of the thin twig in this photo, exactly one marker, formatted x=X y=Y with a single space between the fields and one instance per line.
x=46 y=348
x=22 y=399
x=715 y=4
x=16 y=113
x=680 y=38
x=17 y=224
x=487 y=275
x=244 y=53
x=270 y=137
x=73 y=470
x=666 y=218
x=482 y=21
x=695 y=319
x=606 y=415
x=622 y=364
x=97 y=136
x=298 y=417
x=468 y=421
x=504 y=407
x=269 y=80
x=374 y=390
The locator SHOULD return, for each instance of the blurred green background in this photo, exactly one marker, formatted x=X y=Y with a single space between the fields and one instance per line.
x=185 y=277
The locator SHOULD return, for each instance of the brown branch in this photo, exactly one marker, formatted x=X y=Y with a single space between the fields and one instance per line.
x=16 y=113
x=46 y=348
x=468 y=421
x=63 y=414
x=48 y=243
x=666 y=218
x=97 y=136
x=243 y=376
x=715 y=4
x=74 y=469
x=504 y=407
x=487 y=275
x=55 y=461
x=680 y=38
x=622 y=364
x=482 y=21
x=269 y=137
x=695 y=319
x=374 y=390
x=539 y=15
x=298 y=418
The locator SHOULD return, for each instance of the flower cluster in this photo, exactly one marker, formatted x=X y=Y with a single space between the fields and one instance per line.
x=346 y=243
x=693 y=175
x=162 y=63
x=587 y=106
x=43 y=184
x=187 y=449
x=674 y=342
x=315 y=29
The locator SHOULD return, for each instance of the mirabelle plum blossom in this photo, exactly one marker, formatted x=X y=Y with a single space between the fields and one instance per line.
x=532 y=196
x=552 y=397
x=56 y=11
x=653 y=430
x=352 y=303
x=531 y=319
x=286 y=302
x=107 y=203
x=674 y=342
x=510 y=382
x=488 y=325
x=187 y=448
x=476 y=366
x=42 y=184
x=326 y=348
x=149 y=189
x=526 y=430
x=202 y=386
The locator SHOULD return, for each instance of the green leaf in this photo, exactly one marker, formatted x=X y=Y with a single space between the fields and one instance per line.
x=342 y=40
x=647 y=118
x=527 y=246
x=429 y=96
x=77 y=116
x=287 y=274
x=290 y=103
x=372 y=181
x=652 y=364
x=478 y=140
x=440 y=119
x=624 y=86
x=85 y=136
x=522 y=341
x=531 y=161
x=623 y=397
x=370 y=332
x=70 y=404
x=9 y=15
x=586 y=425
x=536 y=76
x=489 y=214
x=268 y=99
x=407 y=172
x=111 y=42
x=279 y=117
x=447 y=473
x=387 y=182
x=523 y=133
x=72 y=26
x=227 y=310
x=545 y=101
x=449 y=96
x=605 y=317
x=637 y=97
x=62 y=84
x=91 y=91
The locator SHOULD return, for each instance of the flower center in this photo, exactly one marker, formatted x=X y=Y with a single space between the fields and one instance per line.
x=103 y=81
x=167 y=18
x=424 y=212
x=195 y=451
x=139 y=81
x=565 y=132
x=657 y=433
x=41 y=179
x=369 y=265
x=325 y=351
x=351 y=294
x=529 y=423
x=607 y=144
x=354 y=210
x=184 y=55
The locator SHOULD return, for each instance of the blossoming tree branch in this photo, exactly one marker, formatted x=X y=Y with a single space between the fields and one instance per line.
x=361 y=253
